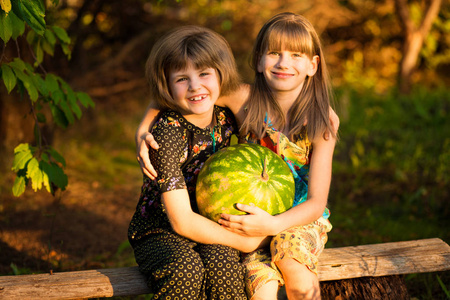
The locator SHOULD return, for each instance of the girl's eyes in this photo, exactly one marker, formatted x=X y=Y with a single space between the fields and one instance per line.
x=276 y=53
x=181 y=79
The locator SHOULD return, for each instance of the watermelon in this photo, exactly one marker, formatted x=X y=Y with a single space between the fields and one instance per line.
x=244 y=173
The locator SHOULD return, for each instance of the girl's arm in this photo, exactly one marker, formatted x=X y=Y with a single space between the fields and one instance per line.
x=144 y=139
x=193 y=226
x=260 y=223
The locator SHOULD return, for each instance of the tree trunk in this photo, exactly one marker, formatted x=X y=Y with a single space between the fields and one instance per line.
x=385 y=287
x=413 y=39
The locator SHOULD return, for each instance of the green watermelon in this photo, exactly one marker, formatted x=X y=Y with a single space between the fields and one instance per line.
x=244 y=173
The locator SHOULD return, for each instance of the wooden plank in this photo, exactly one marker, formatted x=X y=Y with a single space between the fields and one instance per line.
x=336 y=263
x=428 y=255
x=75 y=285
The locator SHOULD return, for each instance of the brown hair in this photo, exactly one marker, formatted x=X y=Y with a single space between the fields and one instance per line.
x=292 y=32
x=200 y=46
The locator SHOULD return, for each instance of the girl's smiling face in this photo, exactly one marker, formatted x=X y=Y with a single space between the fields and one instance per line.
x=286 y=71
x=195 y=91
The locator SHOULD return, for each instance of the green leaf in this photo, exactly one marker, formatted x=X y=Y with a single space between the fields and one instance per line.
x=55 y=174
x=40 y=84
x=23 y=147
x=50 y=37
x=47 y=47
x=56 y=156
x=51 y=82
x=18 y=64
x=44 y=157
x=37 y=180
x=57 y=96
x=5 y=27
x=33 y=168
x=67 y=112
x=22 y=155
x=61 y=34
x=34 y=14
x=71 y=99
x=17 y=10
x=5 y=5
x=39 y=54
x=31 y=37
x=58 y=116
x=27 y=83
x=19 y=185
x=45 y=177
x=9 y=79
x=18 y=26
x=85 y=99
x=66 y=51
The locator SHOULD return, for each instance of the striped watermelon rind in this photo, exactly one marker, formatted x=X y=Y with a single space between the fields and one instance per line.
x=234 y=175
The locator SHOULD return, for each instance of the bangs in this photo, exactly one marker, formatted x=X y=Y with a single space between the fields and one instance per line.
x=191 y=51
x=289 y=36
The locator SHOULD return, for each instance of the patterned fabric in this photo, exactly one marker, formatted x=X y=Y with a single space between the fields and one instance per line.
x=176 y=267
x=183 y=149
x=296 y=154
x=302 y=243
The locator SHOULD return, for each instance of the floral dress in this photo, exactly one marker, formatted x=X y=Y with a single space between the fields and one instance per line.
x=302 y=243
x=175 y=266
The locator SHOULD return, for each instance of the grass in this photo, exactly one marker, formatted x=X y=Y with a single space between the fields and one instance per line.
x=391 y=174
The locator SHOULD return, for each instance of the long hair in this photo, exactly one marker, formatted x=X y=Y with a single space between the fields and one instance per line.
x=291 y=32
x=201 y=47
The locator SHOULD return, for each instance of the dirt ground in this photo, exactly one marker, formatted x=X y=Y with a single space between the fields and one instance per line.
x=82 y=230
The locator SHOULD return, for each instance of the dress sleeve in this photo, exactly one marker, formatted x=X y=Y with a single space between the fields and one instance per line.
x=170 y=136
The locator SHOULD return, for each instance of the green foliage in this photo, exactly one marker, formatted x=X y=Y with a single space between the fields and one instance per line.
x=392 y=163
x=381 y=129
x=41 y=164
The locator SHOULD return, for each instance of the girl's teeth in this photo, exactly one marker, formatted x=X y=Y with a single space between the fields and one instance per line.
x=198 y=98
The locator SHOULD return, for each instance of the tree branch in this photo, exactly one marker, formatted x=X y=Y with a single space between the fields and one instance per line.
x=404 y=15
x=429 y=17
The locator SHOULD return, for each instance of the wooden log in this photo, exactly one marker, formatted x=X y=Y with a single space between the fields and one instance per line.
x=428 y=255
x=384 y=287
x=75 y=285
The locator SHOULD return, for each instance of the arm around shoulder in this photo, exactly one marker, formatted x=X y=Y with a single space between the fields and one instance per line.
x=144 y=139
x=236 y=101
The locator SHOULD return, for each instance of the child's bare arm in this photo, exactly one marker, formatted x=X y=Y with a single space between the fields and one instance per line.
x=144 y=139
x=193 y=226
x=259 y=223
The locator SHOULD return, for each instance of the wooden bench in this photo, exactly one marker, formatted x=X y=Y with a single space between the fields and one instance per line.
x=428 y=255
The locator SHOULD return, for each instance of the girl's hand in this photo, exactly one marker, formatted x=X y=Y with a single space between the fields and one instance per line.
x=145 y=142
x=256 y=223
x=334 y=121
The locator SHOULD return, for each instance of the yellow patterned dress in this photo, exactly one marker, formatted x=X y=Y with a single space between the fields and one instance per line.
x=302 y=243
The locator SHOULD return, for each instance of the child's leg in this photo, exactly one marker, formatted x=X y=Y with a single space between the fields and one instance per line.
x=268 y=291
x=172 y=267
x=295 y=253
x=300 y=282
x=224 y=273
x=262 y=279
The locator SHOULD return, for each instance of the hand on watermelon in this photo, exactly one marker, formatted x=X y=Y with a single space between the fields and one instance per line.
x=257 y=222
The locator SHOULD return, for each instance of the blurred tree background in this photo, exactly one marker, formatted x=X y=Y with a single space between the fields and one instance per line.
x=389 y=62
